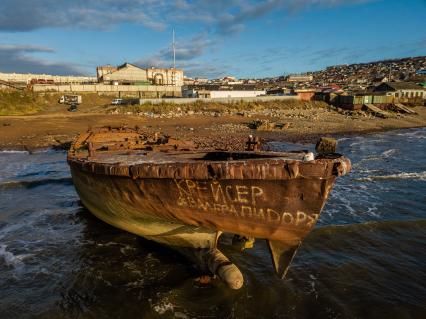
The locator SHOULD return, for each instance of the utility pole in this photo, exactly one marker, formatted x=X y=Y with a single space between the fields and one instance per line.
x=174 y=59
x=174 y=50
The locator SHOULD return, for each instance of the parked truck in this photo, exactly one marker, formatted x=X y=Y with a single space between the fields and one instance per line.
x=69 y=99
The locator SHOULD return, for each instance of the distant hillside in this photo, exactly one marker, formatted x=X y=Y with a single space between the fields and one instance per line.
x=367 y=73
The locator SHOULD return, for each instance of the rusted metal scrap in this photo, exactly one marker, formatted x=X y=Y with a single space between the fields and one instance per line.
x=166 y=190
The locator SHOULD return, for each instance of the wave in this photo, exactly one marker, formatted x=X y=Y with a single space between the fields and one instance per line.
x=389 y=152
x=35 y=183
x=416 y=134
x=13 y=152
x=418 y=224
x=401 y=176
x=10 y=259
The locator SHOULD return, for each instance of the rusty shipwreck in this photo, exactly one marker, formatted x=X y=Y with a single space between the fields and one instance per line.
x=166 y=191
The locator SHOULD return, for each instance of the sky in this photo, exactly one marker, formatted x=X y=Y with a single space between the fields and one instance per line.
x=214 y=38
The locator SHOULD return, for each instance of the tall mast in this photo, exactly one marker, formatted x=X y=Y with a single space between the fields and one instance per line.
x=174 y=50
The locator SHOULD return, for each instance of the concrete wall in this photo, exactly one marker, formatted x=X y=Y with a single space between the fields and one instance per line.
x=220 y=100
x=235 y=94
x=152 y=91
x=26 y=78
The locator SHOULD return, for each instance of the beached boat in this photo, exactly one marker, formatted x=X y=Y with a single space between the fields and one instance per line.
x=167 y=191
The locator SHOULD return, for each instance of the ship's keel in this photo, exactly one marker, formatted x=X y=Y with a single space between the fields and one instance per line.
x=282 y=254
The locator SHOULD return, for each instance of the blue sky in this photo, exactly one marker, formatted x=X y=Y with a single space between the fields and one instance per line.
x=214 y=38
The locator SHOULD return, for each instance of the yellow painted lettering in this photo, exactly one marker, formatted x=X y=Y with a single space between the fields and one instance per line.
x=201 y=187
x=272 y=215
x=228 y=193
x=191 y=185
x=182 y=201
x=300 y=217
x=312 y=220
x=224 y=209
x=182 y=190
x=246 y=210
x=258 y=213
x=255 y=192
x=241 y=192
x=203 y=205
x=217 y=193
x=217 y=207
x=287 y=218
x=233 y=210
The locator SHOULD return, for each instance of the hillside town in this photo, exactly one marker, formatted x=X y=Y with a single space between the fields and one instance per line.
x=351 y=77
x=348 y=86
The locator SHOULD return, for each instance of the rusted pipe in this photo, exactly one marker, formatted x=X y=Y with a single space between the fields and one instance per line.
x=91 y=149
x=220 y=265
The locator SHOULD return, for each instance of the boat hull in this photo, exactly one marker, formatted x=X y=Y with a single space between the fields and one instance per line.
x=190 y=213
x=167 y=191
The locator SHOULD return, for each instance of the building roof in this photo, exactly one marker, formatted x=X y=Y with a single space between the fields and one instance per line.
x=403 y=86
x=126 y=64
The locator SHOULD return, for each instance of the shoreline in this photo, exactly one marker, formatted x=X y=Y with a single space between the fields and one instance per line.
x=57 y=129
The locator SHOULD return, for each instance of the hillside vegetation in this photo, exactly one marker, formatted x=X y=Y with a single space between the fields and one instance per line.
x=220 y=107
x=20 y=103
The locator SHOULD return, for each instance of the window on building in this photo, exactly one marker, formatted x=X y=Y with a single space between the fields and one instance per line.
x=396 y=94
x=412 y=94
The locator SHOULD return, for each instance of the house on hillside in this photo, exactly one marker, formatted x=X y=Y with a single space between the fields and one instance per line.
x=401 y=89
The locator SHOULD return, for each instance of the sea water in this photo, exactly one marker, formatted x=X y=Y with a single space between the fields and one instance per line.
x=366 y=258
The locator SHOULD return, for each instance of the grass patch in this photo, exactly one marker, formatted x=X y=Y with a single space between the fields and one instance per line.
x=212 y=106
x=19 y=103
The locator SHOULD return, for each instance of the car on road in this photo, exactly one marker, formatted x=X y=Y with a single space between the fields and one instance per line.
x=117 y=102
x=73 y=107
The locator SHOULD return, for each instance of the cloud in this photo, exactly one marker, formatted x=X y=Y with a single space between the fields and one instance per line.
x=228 y=17
x=355 y=55
x=221 y=16
x=17 y=58
x=27 y=15
x=192 y=68
x=186 y=51
x=213 y=20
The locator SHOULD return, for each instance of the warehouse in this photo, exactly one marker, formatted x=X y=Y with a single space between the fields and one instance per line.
x=129 y=74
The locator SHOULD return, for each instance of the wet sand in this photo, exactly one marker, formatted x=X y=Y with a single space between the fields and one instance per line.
x=55 y=129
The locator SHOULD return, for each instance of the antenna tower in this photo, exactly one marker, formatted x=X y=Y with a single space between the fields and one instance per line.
x=174 y=50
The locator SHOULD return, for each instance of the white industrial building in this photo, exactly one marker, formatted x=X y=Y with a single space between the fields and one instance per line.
x=131 y=74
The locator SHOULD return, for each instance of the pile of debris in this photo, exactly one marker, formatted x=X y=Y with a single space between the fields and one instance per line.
x=266 y=125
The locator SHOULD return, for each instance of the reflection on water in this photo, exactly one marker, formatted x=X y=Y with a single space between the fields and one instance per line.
x=364 y=259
